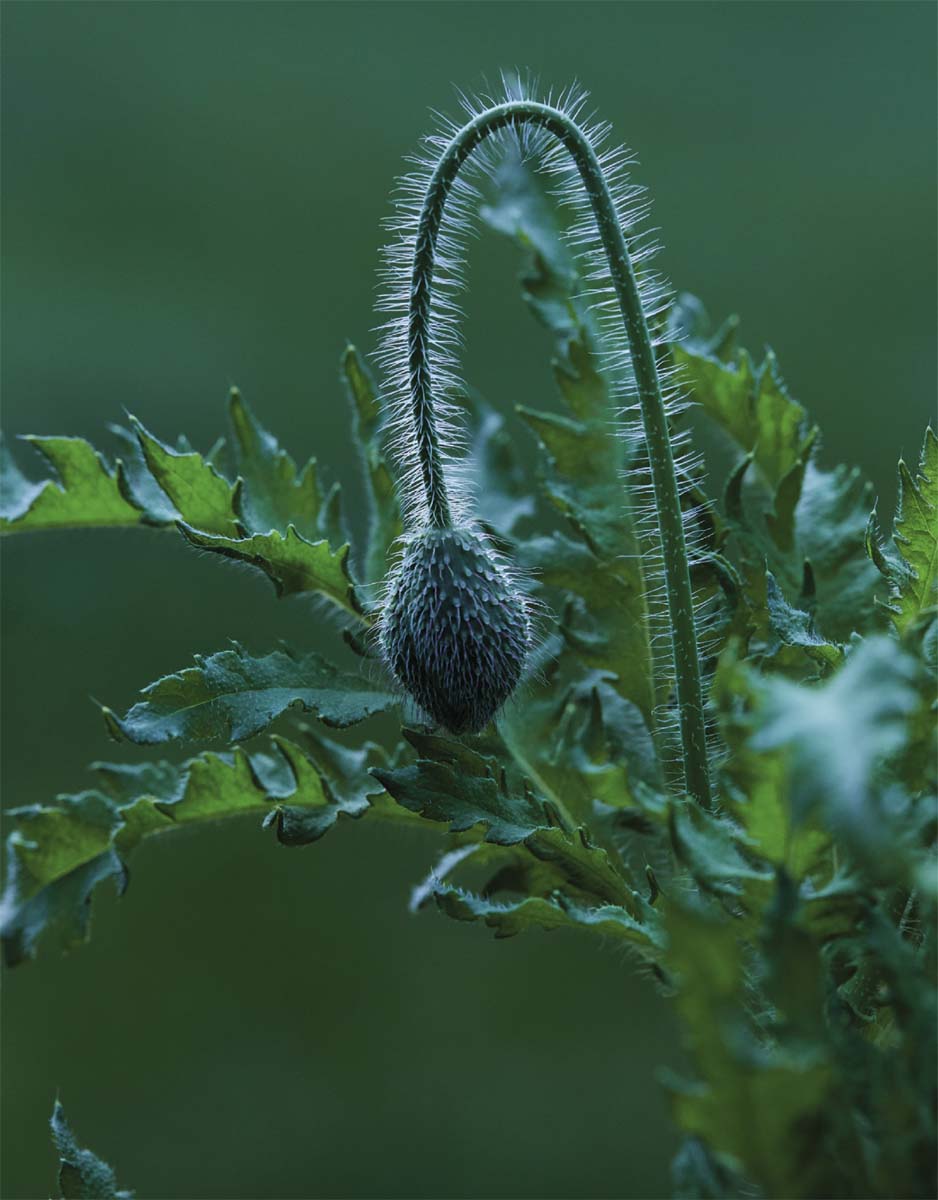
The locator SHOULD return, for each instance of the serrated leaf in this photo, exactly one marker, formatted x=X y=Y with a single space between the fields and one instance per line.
x=914 y=577
x=450 y=782
x=830 y=533
x=272 y=493
x=752 y=405
x=203 y=498
x=759 y=1108
x=503 y=495
x=784 y=637
x=82 y=1175
x=827 y=547
x=508 y=919
x=83 y=493
x=584 y=476
x=293 y=565
x=51 y=842
x=712 y=849
x=137 y=485
x=835 y=741
x=330 y=782
x=231 y=696
x=609 y=626
x=384 y=515
x=579 y=741
x=61 y=909
x=791 y=512
x=59 y=852
x=698 y=1174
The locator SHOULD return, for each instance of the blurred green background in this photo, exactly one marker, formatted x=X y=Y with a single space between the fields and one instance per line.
x=193 y=197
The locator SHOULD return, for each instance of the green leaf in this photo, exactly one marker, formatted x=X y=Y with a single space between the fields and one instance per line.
x=752 y=405
x=202 y=497
x=601 y=564
x=836 y=741
x=450 y=782
x=84 y=491
x=606 y=615
x=271 y=493
x=231 y=696
x=698 y=1174
x=503 y=495
x=712 y=849
x=824 y=564
x=327 y=782
x=914 y=573
x=830 y=533
x=786 y=513
x=82 y=1175
x=137 y=485
x=755 y=783
x=784 y=638
x=59 y=852
x=793 y=627
x=578 y=740
x=61 y=908
x=510 y=918
x=293 y=565
x=384 y=515
x=761 y=1109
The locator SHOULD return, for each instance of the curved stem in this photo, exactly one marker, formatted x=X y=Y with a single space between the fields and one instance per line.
x=654 y=417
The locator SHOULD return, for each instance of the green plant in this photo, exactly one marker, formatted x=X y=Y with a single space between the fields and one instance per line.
x=792 y=922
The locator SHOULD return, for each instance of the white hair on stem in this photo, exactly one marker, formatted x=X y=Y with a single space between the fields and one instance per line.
x=423 y=274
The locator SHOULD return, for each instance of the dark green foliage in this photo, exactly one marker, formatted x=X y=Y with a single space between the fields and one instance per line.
x=792 y=927
x=455 y=630
x=231 y=696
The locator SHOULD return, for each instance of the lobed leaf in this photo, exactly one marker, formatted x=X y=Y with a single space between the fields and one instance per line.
x=751 y=404
x=913 y=571
x=82 y=1175
x=601 y=563
x=384 y=515
x=59 y=852
x=293 y=565
x=452 y=783
x=200 y=495
x=231 y=696
x=83 y=492
x=536 y=912
x=271 y=494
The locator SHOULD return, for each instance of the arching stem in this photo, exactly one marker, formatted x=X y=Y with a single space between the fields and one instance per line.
x=654 y=416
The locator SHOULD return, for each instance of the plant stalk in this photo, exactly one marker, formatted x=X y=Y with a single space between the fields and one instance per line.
x=654 y=416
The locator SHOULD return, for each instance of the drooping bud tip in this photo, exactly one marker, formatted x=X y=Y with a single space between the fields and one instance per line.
x=455 y=631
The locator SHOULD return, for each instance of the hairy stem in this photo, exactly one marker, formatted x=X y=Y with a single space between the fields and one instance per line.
x=677 y=576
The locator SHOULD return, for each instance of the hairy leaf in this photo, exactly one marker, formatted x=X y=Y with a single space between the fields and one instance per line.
x=231 y=696
x=535 y=912
x=293 y=565
x=58 y=852
x=453 y=783
x=82 y=1175
x=450 y=782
